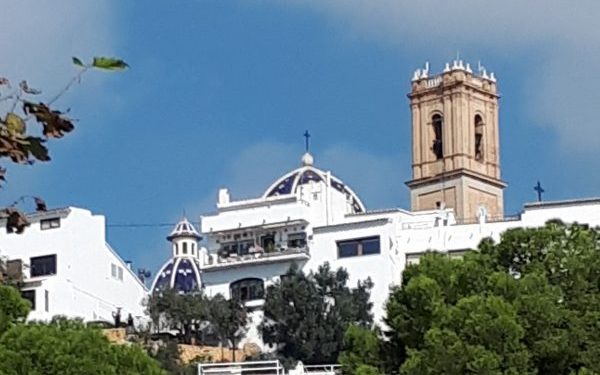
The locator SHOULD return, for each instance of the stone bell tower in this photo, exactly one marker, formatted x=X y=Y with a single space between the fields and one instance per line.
x=456 y=159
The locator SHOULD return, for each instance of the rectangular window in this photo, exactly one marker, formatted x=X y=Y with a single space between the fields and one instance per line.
x=47 y=300
x=347 y=249
x=50 y=223
x=29 y=295
x=358 y=247
x=44 y=265
x=116 y=272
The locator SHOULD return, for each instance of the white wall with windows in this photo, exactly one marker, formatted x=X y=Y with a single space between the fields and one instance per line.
x=70 y=270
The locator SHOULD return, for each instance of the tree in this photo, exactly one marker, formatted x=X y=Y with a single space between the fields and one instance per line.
x=13 y=308
x=68 y=347
x=306 y=316
x=361 y=351
x=184 y=312
x=528 y=304
x=228 y=318
x=18 y=144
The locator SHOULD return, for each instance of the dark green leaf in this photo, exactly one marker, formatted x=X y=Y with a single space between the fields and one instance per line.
x=109 y=63
x=78 y=62
x=37 y=149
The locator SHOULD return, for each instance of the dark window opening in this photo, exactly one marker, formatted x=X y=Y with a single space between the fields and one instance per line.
x=248 y=289
x=184 y=251
x=44 y=265
x=478 y=138
x=50 y=223
x=437 y=122
x=236 y=248
x=296 y=240
x=46 y=300
x=358 y=247
x=267 y=242
x=29 y=295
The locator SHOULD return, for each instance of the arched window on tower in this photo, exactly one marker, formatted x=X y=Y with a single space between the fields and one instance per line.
x=478 y=122
x=185 y=248
x=437 y=121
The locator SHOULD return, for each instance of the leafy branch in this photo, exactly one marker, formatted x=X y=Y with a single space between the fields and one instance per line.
x=23 y=147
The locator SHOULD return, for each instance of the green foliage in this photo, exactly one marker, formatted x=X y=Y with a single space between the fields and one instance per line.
x=361 y=350
x=308 y=315
x=109 y=63
x=228 y=319
x=68 y=347
x=13 y=308
x=527 y=305
x=367 y=370
x=193 y=314
x=183 y=312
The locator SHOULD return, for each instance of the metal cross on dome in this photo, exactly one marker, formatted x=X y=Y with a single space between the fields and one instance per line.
x=307 y=136
x=538 y=188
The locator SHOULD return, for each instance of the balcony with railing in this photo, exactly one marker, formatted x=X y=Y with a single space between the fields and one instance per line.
x=265 y=244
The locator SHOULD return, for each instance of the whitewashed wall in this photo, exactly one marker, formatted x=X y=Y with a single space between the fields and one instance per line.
x=83 y=285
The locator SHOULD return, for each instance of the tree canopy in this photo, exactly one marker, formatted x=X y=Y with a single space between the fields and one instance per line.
x=13 y=308
x=306 y=316
x=62 y=346
x=195 y=314
x=529 y=304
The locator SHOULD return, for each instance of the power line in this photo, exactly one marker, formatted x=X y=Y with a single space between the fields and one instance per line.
x=144 y=225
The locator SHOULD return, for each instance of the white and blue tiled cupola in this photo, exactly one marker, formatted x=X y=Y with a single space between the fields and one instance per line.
x=182 y=271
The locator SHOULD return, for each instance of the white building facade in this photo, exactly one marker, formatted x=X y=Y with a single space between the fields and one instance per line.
x=66 y=267
x=309 y=216
x=249 y=244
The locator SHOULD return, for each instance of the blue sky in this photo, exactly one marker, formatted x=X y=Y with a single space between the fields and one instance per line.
x=220 y=92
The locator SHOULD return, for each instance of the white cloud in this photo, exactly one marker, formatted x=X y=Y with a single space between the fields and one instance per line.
x=377 y=179
x=257 y=166
x=562 y=87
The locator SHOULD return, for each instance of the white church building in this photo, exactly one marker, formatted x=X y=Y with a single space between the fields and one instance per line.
x=309 y=216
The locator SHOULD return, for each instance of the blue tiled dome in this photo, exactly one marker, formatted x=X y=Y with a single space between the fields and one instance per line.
x=289 y=183
x=180 y=274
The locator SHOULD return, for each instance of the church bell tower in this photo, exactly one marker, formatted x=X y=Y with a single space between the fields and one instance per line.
x=456 y=159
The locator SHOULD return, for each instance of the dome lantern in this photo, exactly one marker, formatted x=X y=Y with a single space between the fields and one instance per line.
x=184 y=238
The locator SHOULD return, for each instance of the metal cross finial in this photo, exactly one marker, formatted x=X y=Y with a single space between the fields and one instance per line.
x=538 y=188
x=307 y=136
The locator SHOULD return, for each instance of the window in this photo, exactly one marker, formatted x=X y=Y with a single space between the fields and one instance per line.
x=248 y=289
x=50 y=223
x=478 y=138
x=116 y=272
x=267 y=242
x=296 y=240
x=437 y=121
x=29 y=295
x=46 y=300
x=184 y=248
x=44 y=265
x=358 y=247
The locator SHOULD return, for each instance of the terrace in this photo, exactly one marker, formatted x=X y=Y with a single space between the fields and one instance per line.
x=259 y=244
